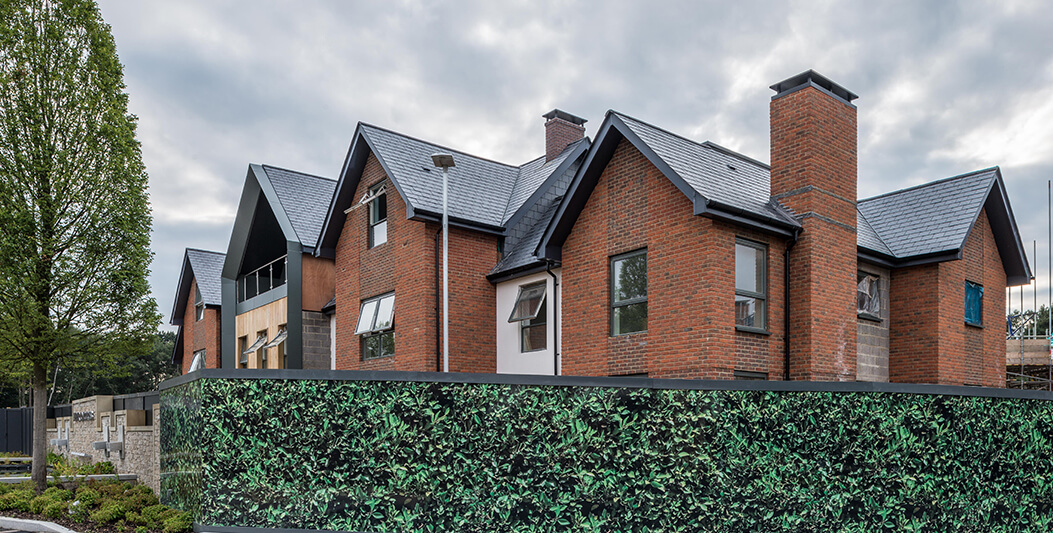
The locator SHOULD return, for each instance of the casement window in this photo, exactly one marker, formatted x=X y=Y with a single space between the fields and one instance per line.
x=378 y=216
x=376 y=326
x=198 y=362
x=199 y=306
x=974 y=303
x=751 y=287
x=629 y=293
x=278 y=344
x=531 y=312
x=868 y=295
x=247 y=350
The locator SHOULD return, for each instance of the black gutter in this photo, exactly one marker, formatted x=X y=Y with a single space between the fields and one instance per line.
x=786 y=308
x=555 y=319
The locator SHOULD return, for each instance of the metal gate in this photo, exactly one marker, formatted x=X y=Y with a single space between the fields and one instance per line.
x=16 y=430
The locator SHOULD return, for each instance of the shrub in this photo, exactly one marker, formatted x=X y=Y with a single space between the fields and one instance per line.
x=56 y=509
x=37 y=504
x=17 y=500
x=112 y=511
x=179 y=523
x=142 y=529
x=87 y=496
x=78 y=511
x=139 y=501
x=59 y=494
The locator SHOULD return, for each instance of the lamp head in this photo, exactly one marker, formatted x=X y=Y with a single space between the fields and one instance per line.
x=442 y=160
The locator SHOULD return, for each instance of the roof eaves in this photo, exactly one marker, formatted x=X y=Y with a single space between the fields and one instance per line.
x=182 y=291
x=330 y=224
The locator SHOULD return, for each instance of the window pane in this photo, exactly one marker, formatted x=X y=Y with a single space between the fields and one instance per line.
x=371 y=347
x=528 y=303
x=534 y=337
x=749 y=312
x=867 y=297
x=378 y=209
x=387 y=343
x=378 y=234
x=630 y=278
x=749 y=268
x=365 y=318
x=385 y=313
x=630 y=318
x=973 y=303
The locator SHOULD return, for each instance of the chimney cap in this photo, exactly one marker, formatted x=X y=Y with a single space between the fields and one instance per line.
x=812 y=78
x=563 y=115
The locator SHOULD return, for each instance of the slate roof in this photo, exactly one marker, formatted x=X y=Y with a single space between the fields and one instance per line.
x=207 y=269
x=532 y=175
x=305 y=199
x=927 y=219
x=479 y=188
x=716 y=173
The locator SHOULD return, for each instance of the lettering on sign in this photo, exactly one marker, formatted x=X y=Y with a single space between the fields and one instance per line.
x=84 y=416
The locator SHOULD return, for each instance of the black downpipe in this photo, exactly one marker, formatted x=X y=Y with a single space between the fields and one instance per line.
x=438 y=304
x=786 y=308
x=555 y=318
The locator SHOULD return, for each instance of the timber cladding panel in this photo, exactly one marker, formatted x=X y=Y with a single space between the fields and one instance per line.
x=352 y=455
x=407 y=265
x=690 y=283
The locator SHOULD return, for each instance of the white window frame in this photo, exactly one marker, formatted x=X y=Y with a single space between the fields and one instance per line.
x=533 y=317
x=376 y=319
x=199 y=305
x=378 y=193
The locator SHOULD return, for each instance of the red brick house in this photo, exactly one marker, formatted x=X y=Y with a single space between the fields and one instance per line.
x=196 y=311
x=756 y=272
x=639 y=253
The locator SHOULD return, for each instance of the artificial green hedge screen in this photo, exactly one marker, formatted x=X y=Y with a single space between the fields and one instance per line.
x=409 y=456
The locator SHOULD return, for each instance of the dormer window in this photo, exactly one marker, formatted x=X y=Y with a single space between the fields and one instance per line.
x=378 y=216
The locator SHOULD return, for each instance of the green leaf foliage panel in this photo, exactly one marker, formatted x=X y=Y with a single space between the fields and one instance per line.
x=400 y=456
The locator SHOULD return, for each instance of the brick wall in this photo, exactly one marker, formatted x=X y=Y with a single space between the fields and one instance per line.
x=931 y=343
x=559 y=134
x=813 y=173
x=691 y=283
x=406 y=265
x=201 y=334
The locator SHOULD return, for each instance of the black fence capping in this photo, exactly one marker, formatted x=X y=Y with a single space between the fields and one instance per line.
x=614 y=382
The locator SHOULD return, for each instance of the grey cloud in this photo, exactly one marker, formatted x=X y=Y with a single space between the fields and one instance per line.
x=218 y=85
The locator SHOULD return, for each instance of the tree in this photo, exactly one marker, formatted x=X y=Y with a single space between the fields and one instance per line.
x=74 y=213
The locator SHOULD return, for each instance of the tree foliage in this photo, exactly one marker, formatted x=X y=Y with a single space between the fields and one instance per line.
x=74 y=213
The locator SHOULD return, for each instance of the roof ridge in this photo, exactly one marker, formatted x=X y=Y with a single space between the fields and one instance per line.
x=283 y=169
x=703 y=144
x=418 y=139
x=190 y=249
x=928 y=184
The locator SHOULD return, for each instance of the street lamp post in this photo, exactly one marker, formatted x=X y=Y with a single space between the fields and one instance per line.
x=445 y=161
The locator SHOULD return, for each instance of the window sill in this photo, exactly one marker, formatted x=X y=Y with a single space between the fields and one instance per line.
x=377 y=357
x=869 y=317
x=977 y=326
x=748 y=329
x=630 y=334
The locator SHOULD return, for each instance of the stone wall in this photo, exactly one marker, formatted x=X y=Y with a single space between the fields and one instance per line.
x=94 y=420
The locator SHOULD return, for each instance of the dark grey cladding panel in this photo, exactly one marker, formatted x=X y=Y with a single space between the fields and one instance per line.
x=930 y=218
x=208 y=268
x=305 y=199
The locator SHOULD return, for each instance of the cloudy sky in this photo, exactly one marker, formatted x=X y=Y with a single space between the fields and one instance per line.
x=945 y=87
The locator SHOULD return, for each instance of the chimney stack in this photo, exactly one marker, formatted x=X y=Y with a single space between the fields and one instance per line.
x=813 y=173
x=561 y=129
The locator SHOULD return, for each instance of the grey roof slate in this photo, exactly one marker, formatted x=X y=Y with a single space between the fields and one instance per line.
x=930 y=218
x=305 y=199
x=207 y=267
x=479 y=188
x=712 y=171
x=532 y=175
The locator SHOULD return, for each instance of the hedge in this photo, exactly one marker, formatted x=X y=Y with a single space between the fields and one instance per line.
x=399 y=456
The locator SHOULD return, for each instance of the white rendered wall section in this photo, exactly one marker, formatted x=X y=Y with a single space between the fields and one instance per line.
x=510 y=358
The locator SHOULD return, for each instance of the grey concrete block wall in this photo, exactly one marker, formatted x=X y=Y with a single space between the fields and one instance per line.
x=316 y=341
x=872 y=335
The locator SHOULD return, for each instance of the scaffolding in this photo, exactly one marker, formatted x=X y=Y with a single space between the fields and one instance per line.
x=1034 y=371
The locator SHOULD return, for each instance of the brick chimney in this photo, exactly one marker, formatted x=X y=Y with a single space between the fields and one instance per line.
x=813 y=173
x=561 y=129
